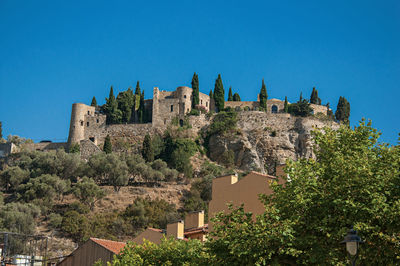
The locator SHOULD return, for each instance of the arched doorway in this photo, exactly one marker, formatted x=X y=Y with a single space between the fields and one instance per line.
x=274 y=109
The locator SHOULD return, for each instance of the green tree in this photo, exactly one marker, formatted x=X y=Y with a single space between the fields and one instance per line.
x=236 y=97
x=195 y=90
x=301 y=97
x=1 y=131
x=211 y=94
x=286 y=106
x=13 y=176
x=141 y=111
x=354 y=180
x=125 y=102
x=94 y=102
x=342 y=113
x=230 y=95
x=169 y=252
x=88 y=192
x=107 y=148
x=301 y=108
x=314 y=99
x=263 y=96
x=219 y=94
x=74 y=148
x=114 y=115
x=147 y=149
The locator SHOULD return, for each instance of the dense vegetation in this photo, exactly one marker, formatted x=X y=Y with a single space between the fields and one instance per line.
x=354 y=180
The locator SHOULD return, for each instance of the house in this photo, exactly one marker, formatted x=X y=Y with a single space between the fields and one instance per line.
x=228 y=189
x=93 y=250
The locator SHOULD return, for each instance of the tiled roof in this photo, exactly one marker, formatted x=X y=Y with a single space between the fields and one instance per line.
x=112 y=246
x=155 y=229
x=191 y=231
x=260 y=174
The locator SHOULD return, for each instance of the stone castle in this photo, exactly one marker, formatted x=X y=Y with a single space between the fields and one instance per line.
x=87 y=124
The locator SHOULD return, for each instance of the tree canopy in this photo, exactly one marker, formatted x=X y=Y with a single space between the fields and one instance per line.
x=263 y=96
x=230 y=94
x=236 y=97
x=314 y=99
x=342 y=113
x=354 y=181
x=219 y=94
x=195 y=90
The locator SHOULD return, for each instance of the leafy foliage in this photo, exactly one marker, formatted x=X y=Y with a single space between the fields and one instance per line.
x=147 y=149
x=353 y=181
x=236 y=97
x=301 y=108
x=314 y=97
x=74 y=148
x=230 y=95
x=87 y=191
x=94 y=102
x=114 y=115
x=286 y=106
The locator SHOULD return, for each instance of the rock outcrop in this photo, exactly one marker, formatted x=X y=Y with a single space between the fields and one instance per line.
x=266 y=140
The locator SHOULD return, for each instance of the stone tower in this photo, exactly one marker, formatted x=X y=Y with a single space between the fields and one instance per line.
x=77 y=125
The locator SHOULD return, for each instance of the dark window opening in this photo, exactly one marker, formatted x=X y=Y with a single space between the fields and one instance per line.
x=88 y=112
x=206 y=104
x=97 y=120
x=172 y=108
x=87 y=123
x=81 y=123
x=91 y=139
x=201 y=102
x=165 y=121
x=184 y=96
x=181 y=123
x=274 y=109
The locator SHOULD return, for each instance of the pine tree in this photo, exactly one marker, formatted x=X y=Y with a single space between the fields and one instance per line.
x=94 y=102
x=195 y=90
x=286 y=106
x=263 y=96
x=301 y=97
x=147 y=149
x=107 y=148
x=236 y=97
x=230 y=95
x=342 y=113
x=219 y=94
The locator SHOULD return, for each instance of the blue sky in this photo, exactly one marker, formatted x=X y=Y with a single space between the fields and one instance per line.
x=55 y=53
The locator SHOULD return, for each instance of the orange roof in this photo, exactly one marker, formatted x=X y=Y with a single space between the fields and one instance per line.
x=112 y=246
x=203 y=229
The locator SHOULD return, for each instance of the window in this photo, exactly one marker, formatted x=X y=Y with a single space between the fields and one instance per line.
x=165 y=121
x=87 y=123
x=97 y=120
x=206 y=104
x=201 y=102
x=274 y=109
x=91 y=139
x=88 y=112
x=172 y=108
x=81 y=123
x=184 y=96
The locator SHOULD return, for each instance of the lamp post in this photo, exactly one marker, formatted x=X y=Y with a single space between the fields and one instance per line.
x=352 y=241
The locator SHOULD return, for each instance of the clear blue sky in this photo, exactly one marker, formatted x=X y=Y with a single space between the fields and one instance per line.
x=55 y=53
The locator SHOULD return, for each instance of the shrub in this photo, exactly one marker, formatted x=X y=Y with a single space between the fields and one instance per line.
x=55 y=220
x=194 y=112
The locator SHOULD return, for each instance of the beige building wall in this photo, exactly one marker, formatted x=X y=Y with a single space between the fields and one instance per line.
x=176 y=230
x=227 y=189
x=194 y=220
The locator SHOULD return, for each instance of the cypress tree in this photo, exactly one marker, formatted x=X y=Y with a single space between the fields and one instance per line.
x=342 y=113
x=1 y=131
x=263 y=96
x=195 y=90
x=219 y=94
x=141 y=109
x=230 y=95
x=286 y=106
x=147 y=149
x=211 y=94
x=107 y=148
x=137 y=90
x=301 y=97
x=236 y=97
x=314 y=97
x=94 y=102
x=111 y=109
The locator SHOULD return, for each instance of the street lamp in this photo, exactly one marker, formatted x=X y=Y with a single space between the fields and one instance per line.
x=352 y=241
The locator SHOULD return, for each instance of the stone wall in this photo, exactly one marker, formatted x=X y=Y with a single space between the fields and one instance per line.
x=45 y=146
x=87 y=148
x=319 y=108
x=242 y=105
x=6 y=149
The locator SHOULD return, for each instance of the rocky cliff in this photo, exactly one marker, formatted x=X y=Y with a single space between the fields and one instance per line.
x=263 y=141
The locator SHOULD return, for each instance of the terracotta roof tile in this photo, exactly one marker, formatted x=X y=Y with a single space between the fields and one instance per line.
x=155 y=229
x=112 y=246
